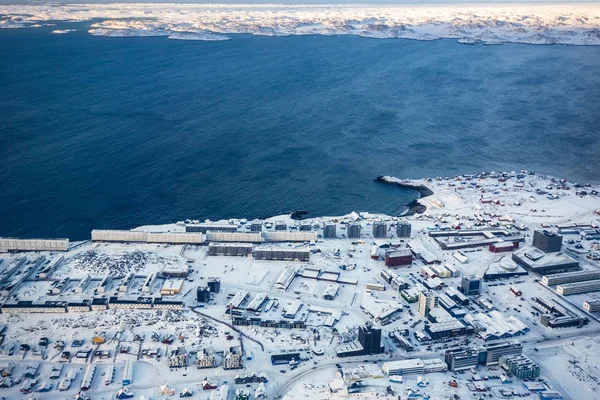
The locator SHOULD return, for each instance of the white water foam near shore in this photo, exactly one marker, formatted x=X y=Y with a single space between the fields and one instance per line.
x=574 y=24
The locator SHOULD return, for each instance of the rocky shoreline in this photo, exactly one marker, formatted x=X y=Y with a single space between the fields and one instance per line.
x=414 y=207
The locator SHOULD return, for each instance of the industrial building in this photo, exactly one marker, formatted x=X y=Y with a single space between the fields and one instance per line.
x=284 y=280
x=413 y=366
x=353 y=230
x=457 y=296
x=427 y=301
x=403 y=229
x=520 y=366
x=570 y=277
x=280 y=226
x=230 y=249
x=329 y=230
x=470 y=285
x=204 y=228
x=452 y=269
x=238 y=299
x=398 y=258
x=253 y=237
x=282 y=254
x=379 y=229
x=292 y=309
x=331 y=291
x=284 y=236
x=556 y=316
x=460 y=359
x=88 y=377
x=542 y=263
x=16 y=244
x=591 y=306
x=257 y=302
x=450 y=328
x=285 y=358
x=578 y=287
x=127 y=373
x=546 y=241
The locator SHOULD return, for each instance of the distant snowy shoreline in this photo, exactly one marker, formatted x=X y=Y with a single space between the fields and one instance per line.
x=576 y=24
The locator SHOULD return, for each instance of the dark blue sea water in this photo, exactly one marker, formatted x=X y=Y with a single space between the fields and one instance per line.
x=113 y=133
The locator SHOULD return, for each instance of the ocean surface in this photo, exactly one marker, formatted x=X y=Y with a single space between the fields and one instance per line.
x=100 y=132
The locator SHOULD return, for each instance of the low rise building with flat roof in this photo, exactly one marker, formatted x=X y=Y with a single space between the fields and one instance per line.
x=542 y=263
x=445 y=329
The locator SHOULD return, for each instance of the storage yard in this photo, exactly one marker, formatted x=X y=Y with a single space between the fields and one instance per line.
x=491 y=292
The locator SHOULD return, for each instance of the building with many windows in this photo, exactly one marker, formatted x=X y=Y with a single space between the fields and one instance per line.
x=230 y=249
x=520 y=366
x=403 y=229
x=203 y=294
x=379 y=229
x=354 y=230
x=497 y=350
x=428 y=301
x=329 y=230
x=461 y=358
x=570 y=277
x=578 y=287
x=546 y=241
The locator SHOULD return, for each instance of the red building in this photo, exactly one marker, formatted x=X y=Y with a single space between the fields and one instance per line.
x=503 y=246
x=398 y=258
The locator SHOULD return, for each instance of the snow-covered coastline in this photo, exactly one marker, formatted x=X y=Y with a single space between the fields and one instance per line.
x=577 y=24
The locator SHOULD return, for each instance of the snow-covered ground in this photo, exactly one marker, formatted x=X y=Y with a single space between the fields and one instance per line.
x=573 y=24
x=523 y=202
